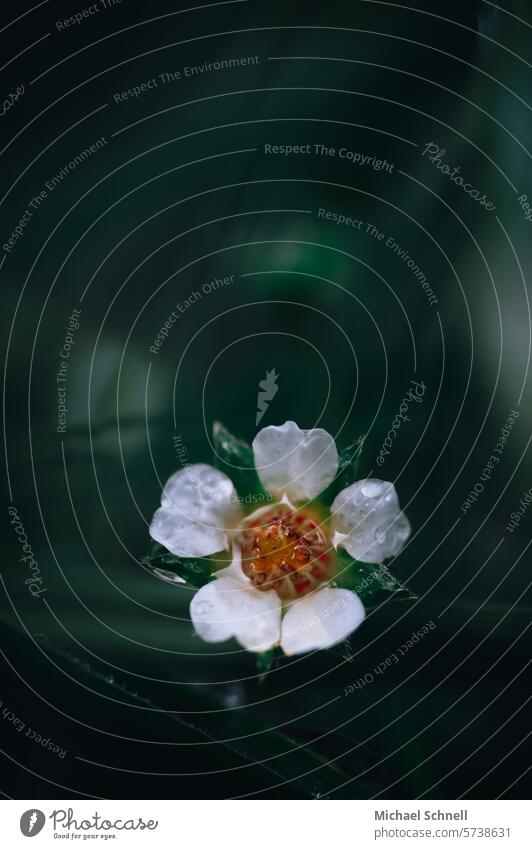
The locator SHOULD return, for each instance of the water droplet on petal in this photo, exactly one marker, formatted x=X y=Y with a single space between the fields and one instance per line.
x=372 y=489
x=203 y=608
x=208 y=478
x=402 y=527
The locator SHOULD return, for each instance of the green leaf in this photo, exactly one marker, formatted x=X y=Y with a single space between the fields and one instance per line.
x=348 y=462
x=168 y=567
x=235 y=457
x=253 y=757
x=346 y=755
x=373 y=582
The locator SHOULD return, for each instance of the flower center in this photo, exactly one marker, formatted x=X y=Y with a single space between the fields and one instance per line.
x=286 y=551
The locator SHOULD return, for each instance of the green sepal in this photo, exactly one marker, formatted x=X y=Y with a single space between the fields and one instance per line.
x=196 y=572
x=266 y=661
x=348 y=462
x=373 y=582
x=234 y=456
x=342 y=651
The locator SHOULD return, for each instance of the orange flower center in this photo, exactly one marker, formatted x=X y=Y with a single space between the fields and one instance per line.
x=286 y=550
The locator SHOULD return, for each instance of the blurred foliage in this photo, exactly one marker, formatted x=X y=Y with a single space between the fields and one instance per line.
x=105 y=661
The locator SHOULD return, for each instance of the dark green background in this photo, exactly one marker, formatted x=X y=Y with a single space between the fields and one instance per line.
x=108 y=667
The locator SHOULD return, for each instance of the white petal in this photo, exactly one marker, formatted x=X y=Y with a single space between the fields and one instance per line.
x=184 y=537
x=210 y=611
x=320 y=620
x=199 y=506
x=257 y=622
x=230 y=606
x=297 y=463
x=367 y=513
x=234 y=570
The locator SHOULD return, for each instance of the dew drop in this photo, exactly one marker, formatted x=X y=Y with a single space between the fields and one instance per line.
x=232 y=696
x=167 y=575
x=207 y=478
x=203 y=608
x=372 y=489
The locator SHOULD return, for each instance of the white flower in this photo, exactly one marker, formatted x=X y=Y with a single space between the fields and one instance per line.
x=275 y=590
